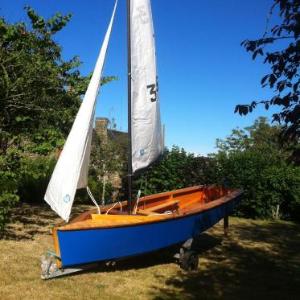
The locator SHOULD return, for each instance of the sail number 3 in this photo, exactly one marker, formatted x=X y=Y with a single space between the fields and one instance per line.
x=153 y=91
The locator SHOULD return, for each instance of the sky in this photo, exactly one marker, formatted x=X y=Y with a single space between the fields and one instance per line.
x=203 y=70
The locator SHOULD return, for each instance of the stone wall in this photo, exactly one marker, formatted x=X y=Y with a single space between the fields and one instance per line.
x=104 y=133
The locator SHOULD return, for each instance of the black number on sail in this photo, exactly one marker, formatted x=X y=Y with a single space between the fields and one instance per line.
x=152 y=91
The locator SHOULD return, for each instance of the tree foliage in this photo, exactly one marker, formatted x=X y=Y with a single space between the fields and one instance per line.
x=40 y=93
x=9 y=179
x=280 y=48
x=176 y=169
x=108 y=158
x=254 y=159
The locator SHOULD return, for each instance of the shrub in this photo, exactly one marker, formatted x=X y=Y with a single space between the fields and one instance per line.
x=177 y=169
x=35 y=173
x=254 y=159
x=7 y=201
x=266 y=183
x=8 y=185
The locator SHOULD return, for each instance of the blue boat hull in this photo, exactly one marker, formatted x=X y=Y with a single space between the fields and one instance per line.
x=100 y=244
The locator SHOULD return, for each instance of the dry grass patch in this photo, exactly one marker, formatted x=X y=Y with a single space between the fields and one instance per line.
x=259 y=259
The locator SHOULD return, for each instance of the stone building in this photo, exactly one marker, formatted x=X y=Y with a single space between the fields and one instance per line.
x=106 y=134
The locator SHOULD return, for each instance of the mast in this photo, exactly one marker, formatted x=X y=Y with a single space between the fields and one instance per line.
x=129 y=110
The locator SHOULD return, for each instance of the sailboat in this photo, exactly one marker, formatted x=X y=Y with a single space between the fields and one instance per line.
x=140 y=225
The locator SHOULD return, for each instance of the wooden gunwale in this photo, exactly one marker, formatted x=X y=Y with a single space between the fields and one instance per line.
x=129 y=219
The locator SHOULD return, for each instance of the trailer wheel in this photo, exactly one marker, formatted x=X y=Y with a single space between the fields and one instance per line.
x=189 y=260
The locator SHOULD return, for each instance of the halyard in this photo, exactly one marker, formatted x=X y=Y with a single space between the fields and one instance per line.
x=258 y=260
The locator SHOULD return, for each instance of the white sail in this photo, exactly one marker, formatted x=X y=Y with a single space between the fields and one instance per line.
x=146 y=132
x=71 y=169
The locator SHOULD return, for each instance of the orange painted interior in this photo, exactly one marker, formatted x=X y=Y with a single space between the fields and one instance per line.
x=154 y=208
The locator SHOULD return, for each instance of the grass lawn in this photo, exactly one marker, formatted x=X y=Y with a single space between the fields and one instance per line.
x=259 y=260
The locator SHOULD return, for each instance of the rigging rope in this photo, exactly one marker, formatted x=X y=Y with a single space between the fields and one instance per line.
x=93 y=199
x=137 y=201
x=143 y=185
x=121 y=208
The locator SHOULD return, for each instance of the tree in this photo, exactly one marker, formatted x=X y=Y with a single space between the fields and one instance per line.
x=261 y=136
x=253 y=159
x=280 y=48
x=40 y=94
x=38 y=101
x=176 y=169
x=39 y=91
x=108 y=158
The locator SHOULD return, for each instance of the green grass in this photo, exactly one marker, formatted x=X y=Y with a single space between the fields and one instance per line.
x=259 y=260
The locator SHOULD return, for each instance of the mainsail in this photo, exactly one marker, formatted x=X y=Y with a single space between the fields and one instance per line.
x=71 y=169
x=146 y=131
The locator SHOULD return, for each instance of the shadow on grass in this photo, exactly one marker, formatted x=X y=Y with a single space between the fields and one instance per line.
x=257 y=261
x=27 y=221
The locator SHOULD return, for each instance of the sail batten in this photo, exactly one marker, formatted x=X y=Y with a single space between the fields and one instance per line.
x=146 y=132
x=71 y=169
